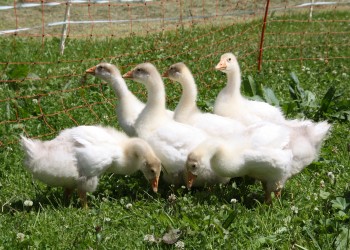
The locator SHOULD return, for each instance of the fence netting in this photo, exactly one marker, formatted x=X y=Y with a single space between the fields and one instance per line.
x=45 y=93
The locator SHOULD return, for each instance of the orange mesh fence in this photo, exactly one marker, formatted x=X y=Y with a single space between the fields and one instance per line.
x=64 y=83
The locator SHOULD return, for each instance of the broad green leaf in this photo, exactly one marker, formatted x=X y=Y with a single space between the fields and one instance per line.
x=326 y=101
x=297 y=90
x=251 y=88
x=257 y=98
x=340 y=203
x=270 y=96
x=309 y=99
x=343 y=239
x=324 y=195
x=294 y=78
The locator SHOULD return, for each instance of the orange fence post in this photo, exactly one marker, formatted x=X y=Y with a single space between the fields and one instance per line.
x=262 y=35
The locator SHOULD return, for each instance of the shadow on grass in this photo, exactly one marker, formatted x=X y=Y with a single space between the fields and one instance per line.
x=245 y=190
x=44 y=197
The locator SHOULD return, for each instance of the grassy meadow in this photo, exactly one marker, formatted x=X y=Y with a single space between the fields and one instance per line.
x=42 y=93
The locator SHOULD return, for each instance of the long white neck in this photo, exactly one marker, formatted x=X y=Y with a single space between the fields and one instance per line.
x=233 y=85
x=119 y=86
x=155 y=109
x=187 y=104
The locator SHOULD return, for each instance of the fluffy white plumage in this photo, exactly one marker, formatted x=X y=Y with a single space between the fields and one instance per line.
x=79 y=155
x=188 y=112
x=171 y=140
x=268 y=152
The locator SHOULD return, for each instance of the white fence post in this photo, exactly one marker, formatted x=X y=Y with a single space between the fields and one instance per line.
x=64 y=27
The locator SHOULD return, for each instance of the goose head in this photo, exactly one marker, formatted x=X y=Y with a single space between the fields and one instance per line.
x=150 y=165
x=105 y=71
x=143 y=73
x=228 y=62
x=193 y=167
x=176 y=72
x=202 y=159
x=151 y=170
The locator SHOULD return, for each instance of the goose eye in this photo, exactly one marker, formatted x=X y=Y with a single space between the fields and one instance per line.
x=194 y=166
x=152 y=171
x=229 y=60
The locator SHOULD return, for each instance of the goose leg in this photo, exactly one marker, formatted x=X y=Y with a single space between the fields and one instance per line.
x=268 y=198
x=278 y=190
x=83 y=198
x=278 y=193
x=82 y=191
x=67 y=195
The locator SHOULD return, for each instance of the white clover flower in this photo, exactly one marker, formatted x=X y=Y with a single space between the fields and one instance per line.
x=107 y=219
x=344 y=75
x=20 y=236
x=330 y=175
x=334 y=72
x=233 y=201
x=149 y=238
x=223 y=207
x=28 y=203
x=128 y=206
x=294 y=209
x=180 y=245
x=322 y=184
x=183 y=187
x=35 y=101
x=316 y=209
x=172 y=198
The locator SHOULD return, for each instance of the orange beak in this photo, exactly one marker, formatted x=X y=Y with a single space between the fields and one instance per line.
x=155 y=182
x=166 y=74
x=221 y=65
x=91 y=70
x=128 y=74
x=190 y=179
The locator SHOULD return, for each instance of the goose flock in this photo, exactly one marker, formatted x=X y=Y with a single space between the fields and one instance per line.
x=186 y=146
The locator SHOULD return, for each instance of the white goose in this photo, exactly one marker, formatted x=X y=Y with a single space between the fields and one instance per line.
x=79 y=155
x=187 y=111
x=231 y=103
x=234 y=159
x=268 y=152
x=129 y=106
x=170 y=140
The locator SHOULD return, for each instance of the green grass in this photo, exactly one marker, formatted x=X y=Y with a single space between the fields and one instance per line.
x=41 y=98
